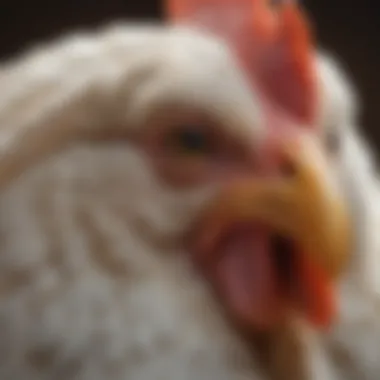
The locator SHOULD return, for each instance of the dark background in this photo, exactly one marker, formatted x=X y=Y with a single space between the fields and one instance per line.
x=350 y=28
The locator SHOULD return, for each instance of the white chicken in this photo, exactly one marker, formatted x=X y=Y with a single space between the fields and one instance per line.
x=114 y=146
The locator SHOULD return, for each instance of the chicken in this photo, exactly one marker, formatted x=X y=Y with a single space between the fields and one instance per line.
x=118 y=145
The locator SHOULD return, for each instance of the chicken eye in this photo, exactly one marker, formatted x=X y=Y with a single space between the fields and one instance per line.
x=333 y=142
x=189 y=140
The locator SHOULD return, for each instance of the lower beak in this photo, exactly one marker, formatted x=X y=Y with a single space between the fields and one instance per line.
x=306 y=207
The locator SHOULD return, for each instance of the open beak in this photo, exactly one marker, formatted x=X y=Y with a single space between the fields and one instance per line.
x=235 y=247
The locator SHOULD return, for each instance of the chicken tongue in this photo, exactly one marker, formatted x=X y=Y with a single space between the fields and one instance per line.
x=246 y=276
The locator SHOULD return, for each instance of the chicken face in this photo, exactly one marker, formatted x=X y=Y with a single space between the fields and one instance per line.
x=258 y=33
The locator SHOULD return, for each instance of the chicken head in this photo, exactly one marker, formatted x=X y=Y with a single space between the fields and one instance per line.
x=139 y=165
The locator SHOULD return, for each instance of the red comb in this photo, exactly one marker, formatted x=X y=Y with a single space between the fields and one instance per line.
x=291 y=79
x=273 y=44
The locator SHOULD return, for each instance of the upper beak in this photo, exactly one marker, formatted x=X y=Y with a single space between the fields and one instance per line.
x=305 y=206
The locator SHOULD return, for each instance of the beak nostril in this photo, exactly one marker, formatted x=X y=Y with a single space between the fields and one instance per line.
x=288 y=169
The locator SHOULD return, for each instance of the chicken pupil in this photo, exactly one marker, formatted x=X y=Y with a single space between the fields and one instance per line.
x=283 y=255
x=191 y=140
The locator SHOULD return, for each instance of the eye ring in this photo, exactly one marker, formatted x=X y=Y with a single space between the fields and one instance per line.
x=333 y=142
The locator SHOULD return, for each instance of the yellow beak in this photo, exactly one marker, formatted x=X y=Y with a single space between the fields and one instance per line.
x=305 y=205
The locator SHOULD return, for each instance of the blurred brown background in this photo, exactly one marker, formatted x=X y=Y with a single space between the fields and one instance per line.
x=350 y=28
